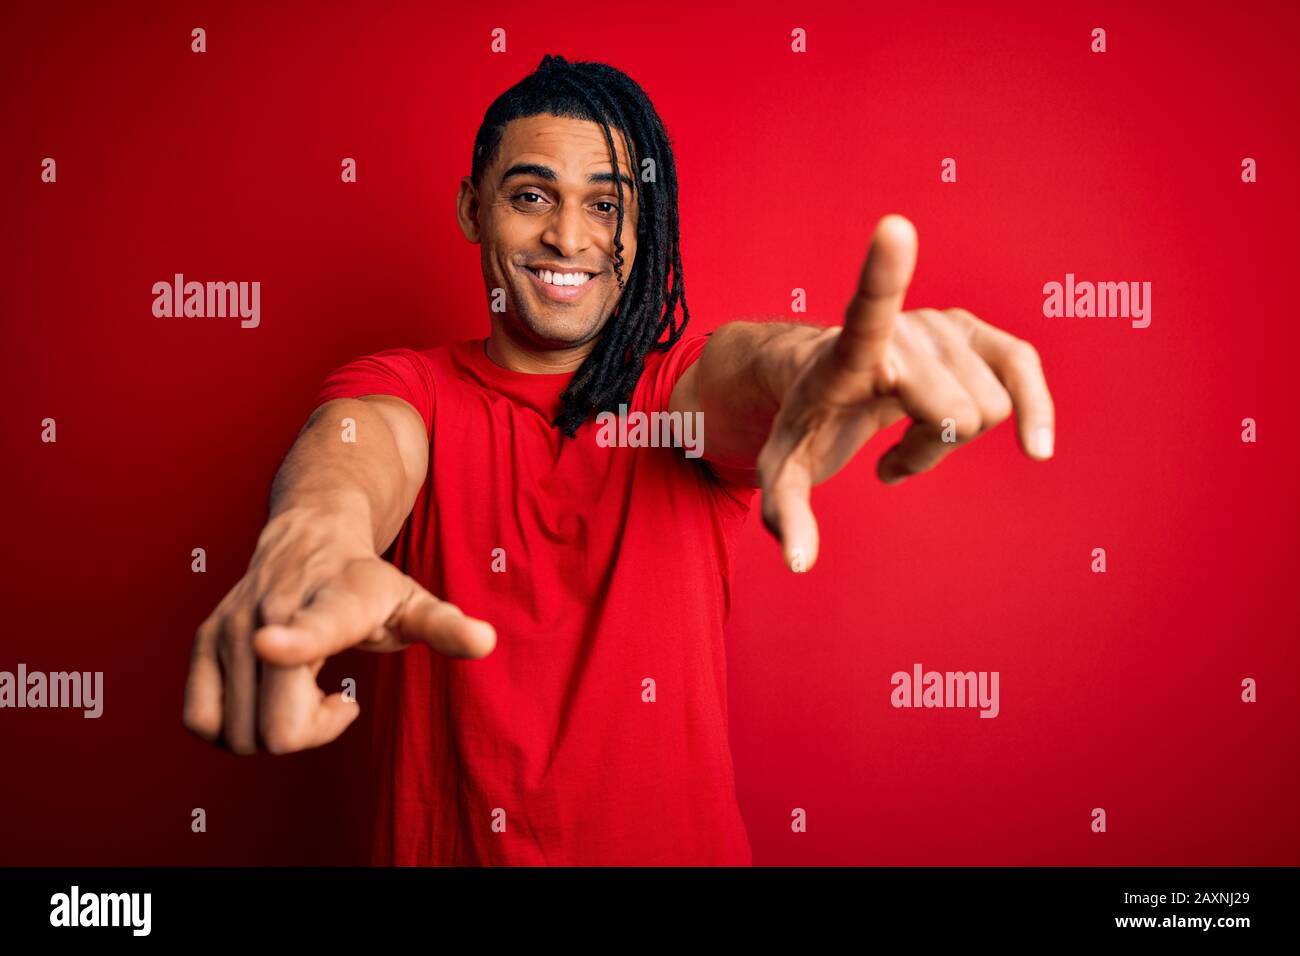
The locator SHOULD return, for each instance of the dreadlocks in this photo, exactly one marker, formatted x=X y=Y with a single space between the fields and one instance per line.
x=648 y=305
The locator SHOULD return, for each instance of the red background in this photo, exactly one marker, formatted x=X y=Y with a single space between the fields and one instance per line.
x=1119 y=690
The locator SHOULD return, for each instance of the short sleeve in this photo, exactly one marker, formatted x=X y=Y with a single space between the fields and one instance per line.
x=401 y=372
x=660 y=378
x=655 y=391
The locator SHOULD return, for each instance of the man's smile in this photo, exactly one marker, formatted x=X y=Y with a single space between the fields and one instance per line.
x=561 y=285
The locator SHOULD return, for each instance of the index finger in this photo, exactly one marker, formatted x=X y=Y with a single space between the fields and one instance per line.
x=871 y=314
x=371 y=601
x=1017 y=365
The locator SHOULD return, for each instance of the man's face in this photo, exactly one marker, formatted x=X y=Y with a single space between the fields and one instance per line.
x=548 y=202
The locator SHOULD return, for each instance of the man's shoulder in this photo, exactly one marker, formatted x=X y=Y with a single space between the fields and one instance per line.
x=427 y=354
x=661 y=370
x=418 y=375
x=435 y=361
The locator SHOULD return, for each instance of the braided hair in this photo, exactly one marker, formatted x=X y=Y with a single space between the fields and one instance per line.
x=648 y=306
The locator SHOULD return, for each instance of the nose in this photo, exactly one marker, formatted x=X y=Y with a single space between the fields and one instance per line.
x=567 y=230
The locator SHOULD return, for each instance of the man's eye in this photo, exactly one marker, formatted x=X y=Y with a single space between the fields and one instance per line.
x=534 y=195
x=613 y=207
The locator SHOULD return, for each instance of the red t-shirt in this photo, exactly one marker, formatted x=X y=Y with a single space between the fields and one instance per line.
x=617 y=566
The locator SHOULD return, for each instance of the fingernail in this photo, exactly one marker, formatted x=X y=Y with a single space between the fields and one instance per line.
x=798 y=561
x=1040 y=442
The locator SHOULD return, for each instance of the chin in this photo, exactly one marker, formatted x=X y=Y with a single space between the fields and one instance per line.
x=560 y=331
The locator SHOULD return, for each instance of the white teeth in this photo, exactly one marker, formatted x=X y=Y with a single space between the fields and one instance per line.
x=562 y=279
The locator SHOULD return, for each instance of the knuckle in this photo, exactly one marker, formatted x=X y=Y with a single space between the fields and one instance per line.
x=200 y=723
x=205 y=640
x=967 y=421
x=1025 y=357
x=379 y=635
x=243 y=748
x=234 y=646
x=225 y=646
x=882 y=372
x=239 y=729
x=281 y=737
x=997 y=408
x=205 y=632
x=275 y=608
x=881 y=369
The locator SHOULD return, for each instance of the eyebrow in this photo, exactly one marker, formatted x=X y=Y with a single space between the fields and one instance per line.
x=548 y=174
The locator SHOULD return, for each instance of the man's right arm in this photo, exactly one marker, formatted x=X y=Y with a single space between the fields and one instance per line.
x=361 y=461
x=316 y=585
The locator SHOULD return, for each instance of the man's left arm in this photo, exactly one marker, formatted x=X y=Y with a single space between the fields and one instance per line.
x=785 y=405
x=737 y=384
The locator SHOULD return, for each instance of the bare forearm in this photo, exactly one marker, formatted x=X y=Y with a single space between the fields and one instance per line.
x=358 y=485
x=743 y=374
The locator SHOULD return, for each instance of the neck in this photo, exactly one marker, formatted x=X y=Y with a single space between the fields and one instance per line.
x=509 y=353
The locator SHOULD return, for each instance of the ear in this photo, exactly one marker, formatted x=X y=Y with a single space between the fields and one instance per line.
x=467 y=209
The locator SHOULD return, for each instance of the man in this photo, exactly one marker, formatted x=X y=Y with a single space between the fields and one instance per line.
x=560 y=697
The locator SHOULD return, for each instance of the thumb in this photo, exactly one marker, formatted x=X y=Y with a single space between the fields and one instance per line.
x=872 y=313
x=371 y=604
x=424 y=619
x=788 y=515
